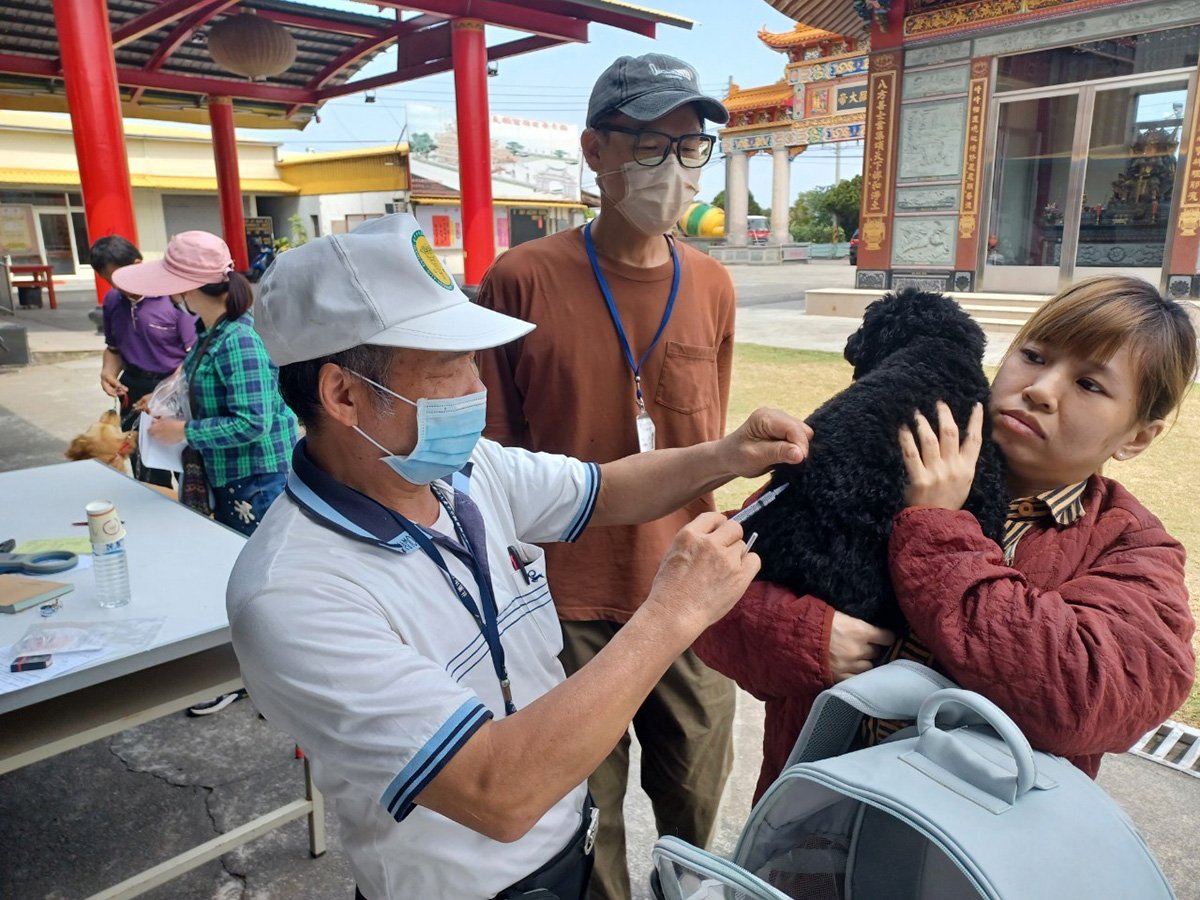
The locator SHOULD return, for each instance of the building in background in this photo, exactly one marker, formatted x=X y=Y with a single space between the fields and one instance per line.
x=821 y=99
x=1021 y=145
x=339 y=189
x=174 y=180
x=536 y=168
x=535 y=185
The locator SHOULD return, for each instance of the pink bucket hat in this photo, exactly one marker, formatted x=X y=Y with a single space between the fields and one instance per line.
x=193 y=258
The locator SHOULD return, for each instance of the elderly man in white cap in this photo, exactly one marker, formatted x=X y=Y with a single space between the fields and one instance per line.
x=392 y=612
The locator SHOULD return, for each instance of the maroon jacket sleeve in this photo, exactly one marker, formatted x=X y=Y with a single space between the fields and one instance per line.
x=772 y=643
x=1084 y=669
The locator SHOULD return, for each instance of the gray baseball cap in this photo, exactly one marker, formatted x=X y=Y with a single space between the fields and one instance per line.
x=381 y=283
x=647 y=88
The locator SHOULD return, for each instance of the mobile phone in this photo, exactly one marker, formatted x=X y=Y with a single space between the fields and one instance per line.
x=31 y=662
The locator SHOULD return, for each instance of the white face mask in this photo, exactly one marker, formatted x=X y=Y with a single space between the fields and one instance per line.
x=655 y=196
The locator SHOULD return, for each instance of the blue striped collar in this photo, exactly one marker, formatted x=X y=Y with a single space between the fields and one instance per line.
x=347 y=511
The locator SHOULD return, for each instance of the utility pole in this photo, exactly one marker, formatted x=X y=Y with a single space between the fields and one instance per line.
x=837 y=163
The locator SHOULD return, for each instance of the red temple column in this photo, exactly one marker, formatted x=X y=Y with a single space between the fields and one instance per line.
x=474 y=147
x=90 y=77
x=229 y=183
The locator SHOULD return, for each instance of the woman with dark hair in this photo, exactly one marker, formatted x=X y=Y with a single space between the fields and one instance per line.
x=240 y=428
x=145 y=339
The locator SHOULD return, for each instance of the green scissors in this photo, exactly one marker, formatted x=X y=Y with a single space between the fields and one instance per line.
x=45 y=563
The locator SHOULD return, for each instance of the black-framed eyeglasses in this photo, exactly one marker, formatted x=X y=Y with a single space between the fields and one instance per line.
x=650 y=148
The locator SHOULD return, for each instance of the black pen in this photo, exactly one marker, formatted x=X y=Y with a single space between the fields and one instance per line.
x=518 y=564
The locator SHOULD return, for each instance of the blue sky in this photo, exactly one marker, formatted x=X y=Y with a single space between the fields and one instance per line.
x=554 y=84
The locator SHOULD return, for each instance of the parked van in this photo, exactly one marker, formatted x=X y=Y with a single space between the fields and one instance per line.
x=758 y=229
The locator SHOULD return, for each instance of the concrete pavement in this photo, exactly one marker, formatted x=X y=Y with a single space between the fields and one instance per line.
x=79 y=822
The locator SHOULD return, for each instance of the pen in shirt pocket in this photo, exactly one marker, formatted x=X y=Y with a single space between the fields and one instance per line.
x=518 y=562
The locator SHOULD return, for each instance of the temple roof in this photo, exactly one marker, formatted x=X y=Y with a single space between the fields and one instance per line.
x=837 y=16
x=778 y=94
x=800 y=36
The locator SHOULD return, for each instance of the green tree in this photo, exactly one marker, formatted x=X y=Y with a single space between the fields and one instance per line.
x=808 y=219
x=752 y=207
x=843 y=201
x=514 y=147
x=422 y=144
x=812 y=216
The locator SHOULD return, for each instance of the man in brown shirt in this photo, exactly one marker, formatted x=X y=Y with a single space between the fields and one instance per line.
x=602 y=377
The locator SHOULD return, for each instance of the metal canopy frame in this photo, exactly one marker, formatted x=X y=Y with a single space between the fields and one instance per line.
x=164 y=70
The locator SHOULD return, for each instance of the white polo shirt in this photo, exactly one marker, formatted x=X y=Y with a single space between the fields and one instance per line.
x=351 y=640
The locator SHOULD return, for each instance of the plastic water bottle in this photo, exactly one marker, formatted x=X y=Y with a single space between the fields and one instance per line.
x=108 y=554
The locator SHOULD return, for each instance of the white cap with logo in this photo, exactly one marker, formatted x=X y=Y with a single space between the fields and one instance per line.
x=381 y=283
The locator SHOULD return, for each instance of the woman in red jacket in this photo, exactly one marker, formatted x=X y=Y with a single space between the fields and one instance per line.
x=1078 y=626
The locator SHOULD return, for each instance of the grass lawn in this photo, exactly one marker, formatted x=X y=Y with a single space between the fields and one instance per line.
x=800 y=380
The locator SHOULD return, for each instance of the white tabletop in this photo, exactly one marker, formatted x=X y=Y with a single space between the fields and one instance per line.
x=179 y=563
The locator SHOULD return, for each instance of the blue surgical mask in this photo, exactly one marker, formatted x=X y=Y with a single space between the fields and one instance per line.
x=447 y=432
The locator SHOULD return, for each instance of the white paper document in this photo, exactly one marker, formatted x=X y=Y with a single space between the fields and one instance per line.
x=63 y=662
x=155 y=454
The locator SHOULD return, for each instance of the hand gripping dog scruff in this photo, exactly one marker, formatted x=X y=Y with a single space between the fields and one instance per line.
x=827 y=534
x=959 y=807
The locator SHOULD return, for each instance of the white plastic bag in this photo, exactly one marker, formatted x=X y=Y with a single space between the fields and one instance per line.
x=169 y=400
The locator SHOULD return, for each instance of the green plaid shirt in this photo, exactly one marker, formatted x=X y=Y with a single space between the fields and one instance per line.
x=240 y=424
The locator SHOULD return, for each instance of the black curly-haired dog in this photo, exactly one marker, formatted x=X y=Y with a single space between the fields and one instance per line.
x=827 y=534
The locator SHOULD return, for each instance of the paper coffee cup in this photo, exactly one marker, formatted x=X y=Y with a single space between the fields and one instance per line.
x=104 y=525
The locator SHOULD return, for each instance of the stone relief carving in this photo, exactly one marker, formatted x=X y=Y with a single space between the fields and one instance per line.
x=923 y=199
x=931 y=139
x=926 y=56
x=1179 y=286
x=1087 y=26
x=931 y=82
x=924 y=241
x=870 y=279
x=939 y=283
x=964 y=281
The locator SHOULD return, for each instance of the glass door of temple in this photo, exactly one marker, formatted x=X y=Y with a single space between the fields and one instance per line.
x=1033 y=169
x=1130 y=179
x=1085 y=155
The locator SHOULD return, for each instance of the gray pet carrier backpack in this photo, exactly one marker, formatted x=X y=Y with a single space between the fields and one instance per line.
x=961 y=807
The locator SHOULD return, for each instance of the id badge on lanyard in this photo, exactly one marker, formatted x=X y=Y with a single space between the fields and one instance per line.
x=642 y=421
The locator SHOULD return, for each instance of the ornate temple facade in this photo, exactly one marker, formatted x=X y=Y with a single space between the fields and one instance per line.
x=822 y=98
x=1021 y=145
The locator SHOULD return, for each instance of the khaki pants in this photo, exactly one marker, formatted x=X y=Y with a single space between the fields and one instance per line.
x=685 y=728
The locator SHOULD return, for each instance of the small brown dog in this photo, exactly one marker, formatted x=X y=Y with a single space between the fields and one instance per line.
x=105 y=441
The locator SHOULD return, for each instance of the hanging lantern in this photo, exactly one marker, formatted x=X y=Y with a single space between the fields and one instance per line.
x=252 y=46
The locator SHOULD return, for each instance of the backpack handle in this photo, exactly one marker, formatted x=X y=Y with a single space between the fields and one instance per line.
x=955 y=756
x=892 y=691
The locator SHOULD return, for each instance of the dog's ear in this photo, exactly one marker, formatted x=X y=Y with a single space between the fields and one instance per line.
x=853 y=346
x=110 y=417
x=966 y=332
x=876 y=337
x=80 y=448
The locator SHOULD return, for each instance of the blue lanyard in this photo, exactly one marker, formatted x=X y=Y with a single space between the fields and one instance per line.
x=488 y=621
x=636 y=368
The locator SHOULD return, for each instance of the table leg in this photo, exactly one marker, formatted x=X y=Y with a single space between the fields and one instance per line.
x=209 y=850
x=316 y=815
x=50 y=289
